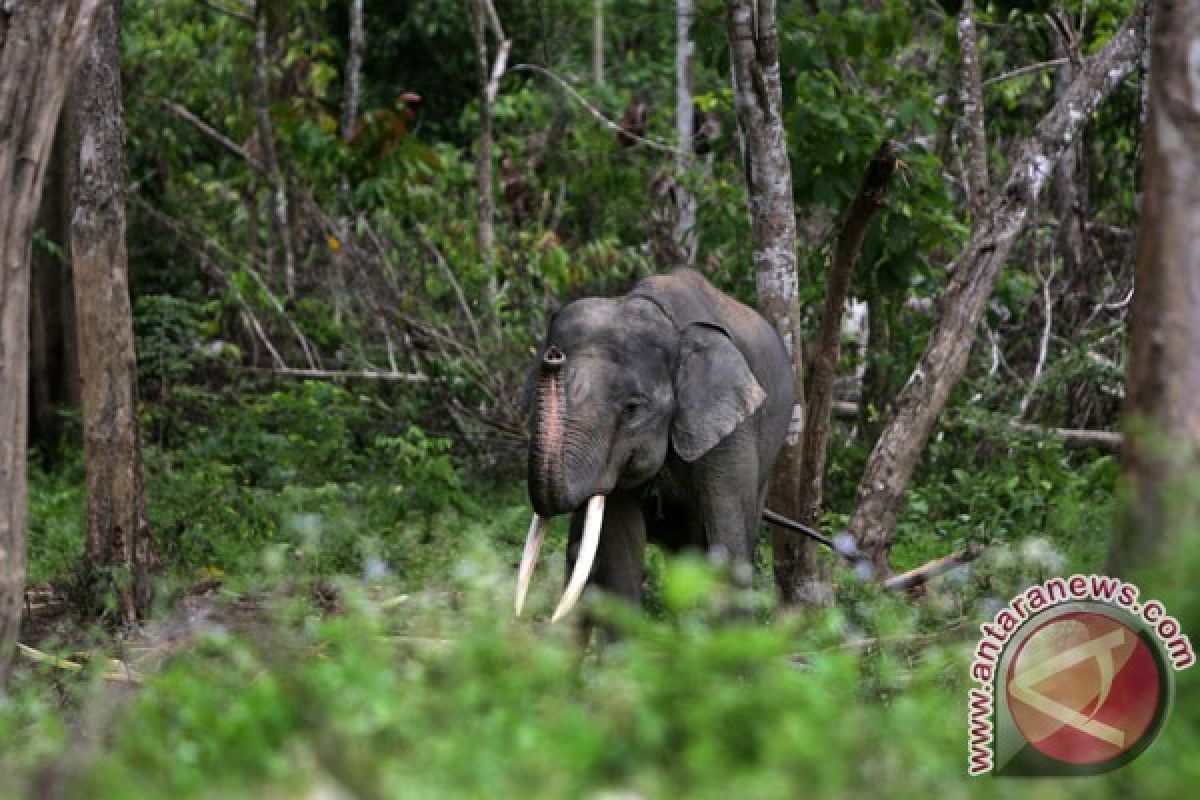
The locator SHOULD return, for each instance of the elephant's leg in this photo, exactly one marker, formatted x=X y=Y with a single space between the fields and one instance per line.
x=728 y=501
x=620 y=557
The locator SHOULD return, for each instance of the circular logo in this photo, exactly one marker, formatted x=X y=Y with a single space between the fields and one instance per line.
x=1085 y=689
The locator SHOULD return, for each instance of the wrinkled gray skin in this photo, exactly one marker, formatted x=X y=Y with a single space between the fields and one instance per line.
x=674 y=401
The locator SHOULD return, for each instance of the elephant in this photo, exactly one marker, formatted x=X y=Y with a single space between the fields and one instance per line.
x=656 y=416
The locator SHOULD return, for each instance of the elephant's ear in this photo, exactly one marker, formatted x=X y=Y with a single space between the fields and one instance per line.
x=714 y=390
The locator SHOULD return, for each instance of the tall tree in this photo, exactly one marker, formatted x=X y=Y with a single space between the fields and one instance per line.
x=683 y=200
x=276 y=180
x=941 y=366
x=354 y=61
x=598 y=43
x=758 y=96
x=118 y=534
x=40 y=45
x=1162 y=448
x=484 y=16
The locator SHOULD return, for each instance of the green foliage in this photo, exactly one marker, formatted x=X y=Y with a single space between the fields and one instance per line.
x=421 y=695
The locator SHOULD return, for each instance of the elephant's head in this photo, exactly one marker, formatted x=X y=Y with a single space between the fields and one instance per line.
x=619 y=384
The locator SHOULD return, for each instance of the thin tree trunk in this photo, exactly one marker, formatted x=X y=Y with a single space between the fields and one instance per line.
x=598 y=43
x=684 y=211
x=40 y=45
x=827 y=347
x=277 y=183
x=118 y=532
x=972 y=91
x=1162 y=446
x=895 y=456
x=489 y=85
x=758 y=96
x=354 y=63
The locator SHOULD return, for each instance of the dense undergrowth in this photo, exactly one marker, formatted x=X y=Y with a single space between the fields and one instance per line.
x=375 y=651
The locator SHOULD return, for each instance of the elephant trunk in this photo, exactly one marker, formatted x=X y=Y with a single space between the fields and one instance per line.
x=547 y=478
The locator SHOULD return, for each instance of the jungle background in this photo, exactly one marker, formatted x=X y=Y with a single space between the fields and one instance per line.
x=333 y=328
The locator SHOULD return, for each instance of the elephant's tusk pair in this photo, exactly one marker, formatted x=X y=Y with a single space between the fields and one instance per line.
x=583 y=562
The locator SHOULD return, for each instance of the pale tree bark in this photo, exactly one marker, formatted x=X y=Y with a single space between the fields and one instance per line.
x=673 y=219
x=920 y=403
x=758 y=96
x=682 y=198
x=826 y=349
x=40 y=45
x=979 y=188
x=1162 y=446
x=598 y=43
x=490 y=72
x=120 y=552
x=276 y=182
x=358 y=46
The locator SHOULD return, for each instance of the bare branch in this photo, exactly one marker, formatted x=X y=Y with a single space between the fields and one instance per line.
x=468 y=314
x=339 y=374
x=1026 y=70
x=655 y=144
x=1043 y=343
x=179 y=112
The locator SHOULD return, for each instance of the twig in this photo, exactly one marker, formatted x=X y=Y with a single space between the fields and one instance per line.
x=449 y=273
x=1075 y=437
x=608 y=123
x=1025 y=70
x=365 y=374
x=233 y=147
x=1043 y=344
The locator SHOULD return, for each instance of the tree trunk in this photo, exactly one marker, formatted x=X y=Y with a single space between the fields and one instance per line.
x=682 y=198
x=119 y=545
x=40 y=45
x=1162 y=448
x=353 y=70
x=598 y=43
x=979 y=186
x=758 y=96
x=895 y=455
x=827 y=347
x=489 y=84
x=276 y=182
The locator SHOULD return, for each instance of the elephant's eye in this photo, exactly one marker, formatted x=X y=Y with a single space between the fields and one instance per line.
x=633 y=405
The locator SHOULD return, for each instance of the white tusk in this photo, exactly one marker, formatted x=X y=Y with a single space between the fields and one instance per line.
x=583 y=562
x=533 y=543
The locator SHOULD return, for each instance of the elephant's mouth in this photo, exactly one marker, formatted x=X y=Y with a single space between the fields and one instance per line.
x=583 y=562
